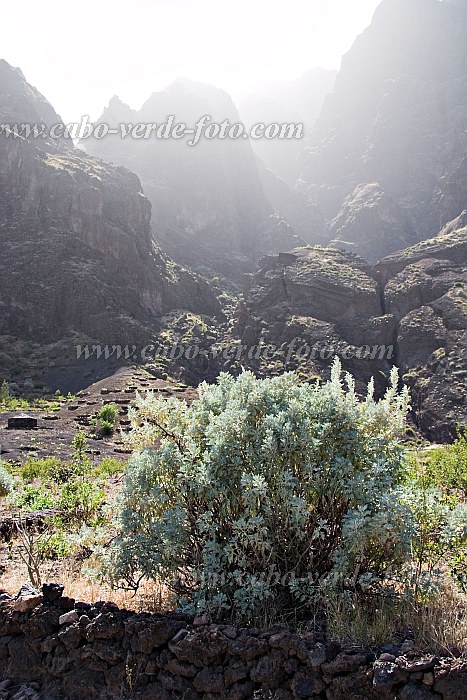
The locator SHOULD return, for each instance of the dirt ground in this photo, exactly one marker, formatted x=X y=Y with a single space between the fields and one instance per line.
x=56 y=429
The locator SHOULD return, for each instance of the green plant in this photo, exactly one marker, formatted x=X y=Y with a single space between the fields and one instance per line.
x=44 y=468
x=264 y=490
x=80 y=462
x=109 y=466
x=108 y=413
x=106 y=427
x=107 y=418
x=446 y=467
x=438 y=537
x=34 y=498
x=80 y=501
x=57 y=544
x=436 y=485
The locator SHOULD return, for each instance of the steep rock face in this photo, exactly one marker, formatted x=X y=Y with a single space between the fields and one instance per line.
x=295 y=206
x=21 y=103
x=414 y=302
x=77 y=251
x=398 y=117
x=371 y=223
x=451 y=193
x=326 y=299
x=450 y=244
x=209 y=208
x=426 y=291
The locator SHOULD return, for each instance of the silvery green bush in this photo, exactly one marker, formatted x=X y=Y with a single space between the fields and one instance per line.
x=6 y=482
x=263 y=491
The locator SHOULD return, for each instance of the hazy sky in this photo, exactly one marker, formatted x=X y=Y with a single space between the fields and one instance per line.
x=80 y=54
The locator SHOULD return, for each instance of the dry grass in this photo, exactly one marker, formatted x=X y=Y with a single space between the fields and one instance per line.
x=151 y=597
x=439 y=626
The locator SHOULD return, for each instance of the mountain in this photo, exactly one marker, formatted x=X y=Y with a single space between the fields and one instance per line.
x=396 y=119
x=293 y=203
x=75 y=233
x=210 y=211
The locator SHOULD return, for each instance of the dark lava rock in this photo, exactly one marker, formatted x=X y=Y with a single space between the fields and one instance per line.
x=68 y=222
x=52 y=592
x=22 y=422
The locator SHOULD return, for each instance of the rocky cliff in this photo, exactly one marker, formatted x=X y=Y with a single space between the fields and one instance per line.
x=370 y=220
x=311 y=304
x=76 y=242
x=210 y=211
x=410 y=310
x=425 y=289
x=398 y=118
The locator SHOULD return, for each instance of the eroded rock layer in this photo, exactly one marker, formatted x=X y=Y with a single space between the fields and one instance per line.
x=414 y=302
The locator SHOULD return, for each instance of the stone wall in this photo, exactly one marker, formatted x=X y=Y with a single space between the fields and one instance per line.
x=52 y=647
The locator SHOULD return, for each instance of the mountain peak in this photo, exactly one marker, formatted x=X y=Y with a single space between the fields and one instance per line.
x=21 y=103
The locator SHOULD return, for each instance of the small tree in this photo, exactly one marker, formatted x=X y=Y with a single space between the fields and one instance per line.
x=263 y=490
x=107 y=418
x=81 y=464
x=4 y=391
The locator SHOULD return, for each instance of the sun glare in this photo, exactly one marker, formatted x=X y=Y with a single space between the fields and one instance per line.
x=134 y=49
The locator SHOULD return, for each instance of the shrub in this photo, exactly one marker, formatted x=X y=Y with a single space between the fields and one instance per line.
x=436 y=485
x=446 y=467
x=80 y=501
x=80 y=463
x=263 y=490
x=108 y=413
x=6 y=482
x=110 y=467
x=438 y=538
x=32 y=498
x=106 y=427
x=56 y=544
x=107 y=418
x=44 y=468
